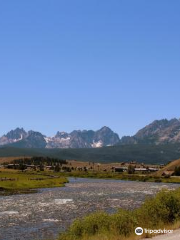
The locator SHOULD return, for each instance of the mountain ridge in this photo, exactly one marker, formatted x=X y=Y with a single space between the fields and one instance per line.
x=158 y=132
x=76 y=139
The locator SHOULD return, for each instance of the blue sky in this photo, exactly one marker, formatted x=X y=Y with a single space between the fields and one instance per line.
x=68 y=65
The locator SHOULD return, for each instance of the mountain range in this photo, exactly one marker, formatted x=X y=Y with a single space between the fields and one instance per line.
x=159 y=132
x=76 y=139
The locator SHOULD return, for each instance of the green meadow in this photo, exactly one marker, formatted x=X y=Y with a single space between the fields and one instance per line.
x=17 y=181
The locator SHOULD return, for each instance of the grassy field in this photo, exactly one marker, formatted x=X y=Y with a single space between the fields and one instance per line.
x=159 y=212
x=12 y=181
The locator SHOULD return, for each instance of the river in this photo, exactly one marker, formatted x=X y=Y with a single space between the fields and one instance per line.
x=44 y=214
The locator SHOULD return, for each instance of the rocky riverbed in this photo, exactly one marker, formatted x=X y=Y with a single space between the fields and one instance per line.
x=44 y=214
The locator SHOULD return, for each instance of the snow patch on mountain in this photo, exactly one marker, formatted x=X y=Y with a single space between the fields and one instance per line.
x=97 y=144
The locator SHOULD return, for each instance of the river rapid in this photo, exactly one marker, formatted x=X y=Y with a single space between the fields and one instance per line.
x=44 y=214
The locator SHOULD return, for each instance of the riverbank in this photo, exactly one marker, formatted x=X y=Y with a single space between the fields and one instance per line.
x=159 y=212
x=18 y=182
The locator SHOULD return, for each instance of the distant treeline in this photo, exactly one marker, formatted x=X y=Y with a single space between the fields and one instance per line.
x=40 y=161
x=148 y=154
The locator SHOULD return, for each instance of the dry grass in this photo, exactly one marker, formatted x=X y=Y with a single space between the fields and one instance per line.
x=97 y=166
x=170 y=167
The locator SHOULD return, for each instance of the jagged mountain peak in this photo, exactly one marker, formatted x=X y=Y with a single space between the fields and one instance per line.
x=106 y=136
x=16 y=133
x=35 y=133
x=105 y=129
x=13 y=136
x=61 y=135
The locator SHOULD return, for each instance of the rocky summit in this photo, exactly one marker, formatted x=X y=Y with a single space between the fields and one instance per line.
x=158 y=132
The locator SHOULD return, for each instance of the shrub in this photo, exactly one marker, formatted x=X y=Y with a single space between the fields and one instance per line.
x=95 y=223
x=123 y=222
x=76 y=228
x=162 y=209
x=177 y=171
x=158 y=180
x=90 y=225
x=131 y=169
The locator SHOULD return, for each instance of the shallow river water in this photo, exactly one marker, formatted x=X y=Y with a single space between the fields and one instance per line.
x=44 y=214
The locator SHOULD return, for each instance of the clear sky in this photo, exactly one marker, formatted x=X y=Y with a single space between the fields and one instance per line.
x=79 y=64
